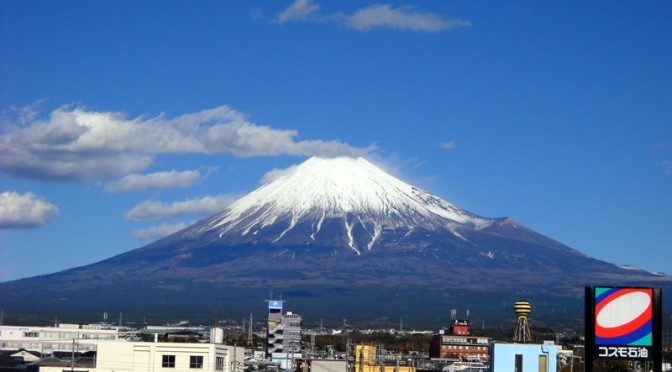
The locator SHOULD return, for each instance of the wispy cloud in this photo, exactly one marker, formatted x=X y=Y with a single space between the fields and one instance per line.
x=449 y=145
x=20 y=211
x=160 y=231
x=300 y=10
x=155 y=210
x=663 y=147
x=155 y=181
x=276 y=173
x=403 y=18
x=668 y=167
x=659 y=145
x=76 y=145
x=24 y=114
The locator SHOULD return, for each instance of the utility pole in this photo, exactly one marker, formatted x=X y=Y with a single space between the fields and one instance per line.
x=235 y=367
x=250 y=333
x=72 y=360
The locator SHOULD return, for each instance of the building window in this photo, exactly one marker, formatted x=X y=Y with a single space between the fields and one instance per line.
x=195 y=361
x=542 y=363
x=168 y=361
x=518 y=366
x=219 y=364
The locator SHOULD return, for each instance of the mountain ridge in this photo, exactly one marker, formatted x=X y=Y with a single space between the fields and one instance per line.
x=336 y=234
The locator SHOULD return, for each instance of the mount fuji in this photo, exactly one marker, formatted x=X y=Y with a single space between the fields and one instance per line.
x=337 y=238
x=338 y=203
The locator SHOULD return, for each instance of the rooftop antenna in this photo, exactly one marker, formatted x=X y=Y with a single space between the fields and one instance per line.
x=467 y=314
x=453 y=313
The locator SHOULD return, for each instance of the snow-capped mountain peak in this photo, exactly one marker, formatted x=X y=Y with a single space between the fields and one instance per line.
x=353 y=191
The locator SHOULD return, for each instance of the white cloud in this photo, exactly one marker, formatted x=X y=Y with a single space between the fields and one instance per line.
x=402 y=18
x=24 y=211
x=157 y=181
x=155 y=210
x=276 y=173
x=449 y=145
x=160 y=231
x=76 y=145
x=374 y=16
x=298 y=11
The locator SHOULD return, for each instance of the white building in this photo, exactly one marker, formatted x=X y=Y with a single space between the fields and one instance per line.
x=120 y=356
x=48 y=340
x=114 y=354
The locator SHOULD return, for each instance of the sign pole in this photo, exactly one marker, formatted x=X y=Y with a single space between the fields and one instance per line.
x=589 y=325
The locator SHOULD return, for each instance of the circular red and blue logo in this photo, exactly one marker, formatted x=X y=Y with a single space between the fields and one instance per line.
x=623 y=316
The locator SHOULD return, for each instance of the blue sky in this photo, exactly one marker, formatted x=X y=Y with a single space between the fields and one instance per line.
x=122 y=121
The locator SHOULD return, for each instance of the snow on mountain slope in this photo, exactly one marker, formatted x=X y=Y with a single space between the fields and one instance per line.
x=360 y=195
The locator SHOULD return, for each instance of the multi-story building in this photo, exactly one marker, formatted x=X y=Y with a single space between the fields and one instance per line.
x=274 y=328
x=459 y=345
x=291 y=332
x=119 y=356
x=47 y=340
x=283 y=342
x=102 y=350
x=284 y=330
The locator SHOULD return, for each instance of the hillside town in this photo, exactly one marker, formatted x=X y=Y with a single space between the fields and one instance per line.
x=280 y=343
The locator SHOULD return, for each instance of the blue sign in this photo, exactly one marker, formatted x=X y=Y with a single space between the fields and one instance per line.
x=275 y=304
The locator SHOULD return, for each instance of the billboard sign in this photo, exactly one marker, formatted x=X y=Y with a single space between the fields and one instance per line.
x=275 y=305
x=623 y=323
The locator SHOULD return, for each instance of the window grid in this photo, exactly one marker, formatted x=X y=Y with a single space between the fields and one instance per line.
x=195 y=361
x=168 y=361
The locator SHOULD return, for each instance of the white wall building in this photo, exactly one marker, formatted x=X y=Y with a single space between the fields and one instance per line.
x=113 y=354
x=120 y=356
x=47 y=340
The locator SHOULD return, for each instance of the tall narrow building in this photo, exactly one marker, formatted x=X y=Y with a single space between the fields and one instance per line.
x=284 y=330
x=274 y=328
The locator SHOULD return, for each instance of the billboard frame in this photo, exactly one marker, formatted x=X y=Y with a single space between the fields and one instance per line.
x=596 y=351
